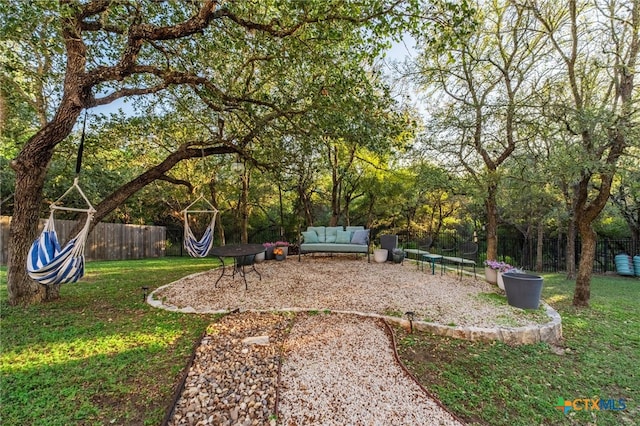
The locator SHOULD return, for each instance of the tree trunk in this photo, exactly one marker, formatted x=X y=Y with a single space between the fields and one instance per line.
x=281 y=210
x=31 y=167
x=492 y=223
x=571 y=249
x=22 y=289
x=539 y=247
x=586 y=211
x=305 y=203
x=332 y=154
x=214 y=202
x=587 y=255
x=347 y=218
x=244 y=208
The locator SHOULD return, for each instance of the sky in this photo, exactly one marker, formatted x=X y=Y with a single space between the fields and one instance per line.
x=402 y=49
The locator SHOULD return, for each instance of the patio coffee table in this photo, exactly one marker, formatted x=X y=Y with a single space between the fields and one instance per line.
x=432 y=258
x=240 y=253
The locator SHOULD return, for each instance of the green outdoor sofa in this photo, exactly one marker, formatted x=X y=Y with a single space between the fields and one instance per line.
x=334 y=239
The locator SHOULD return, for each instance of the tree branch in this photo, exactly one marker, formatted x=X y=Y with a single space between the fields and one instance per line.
x=177 y=182
x=157 y=172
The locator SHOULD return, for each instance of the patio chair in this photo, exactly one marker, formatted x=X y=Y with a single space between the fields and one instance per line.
x=425 y=243
x=469 y=250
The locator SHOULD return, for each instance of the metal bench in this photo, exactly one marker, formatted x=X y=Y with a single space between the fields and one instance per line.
x=468 y=252
x=419 y=252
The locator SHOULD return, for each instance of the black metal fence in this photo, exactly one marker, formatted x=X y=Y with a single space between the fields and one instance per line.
x=520 y=252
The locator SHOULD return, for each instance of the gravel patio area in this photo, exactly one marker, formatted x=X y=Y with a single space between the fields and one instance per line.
x=340 y=283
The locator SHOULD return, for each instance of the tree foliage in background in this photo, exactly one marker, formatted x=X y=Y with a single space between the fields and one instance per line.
x=626 y=194
x=483 y=91
x=595 y=104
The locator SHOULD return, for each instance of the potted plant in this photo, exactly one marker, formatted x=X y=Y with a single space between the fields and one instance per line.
x=268 y=247
x=398 y=255
x=279 y=253
x=523 y=290
x=284 y=245
x=260 y=257
x=380 y=255
x=504 y=268
x=491 y=270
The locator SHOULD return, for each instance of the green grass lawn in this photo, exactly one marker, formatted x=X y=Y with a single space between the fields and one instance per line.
x=99 y=355
x=102 y=356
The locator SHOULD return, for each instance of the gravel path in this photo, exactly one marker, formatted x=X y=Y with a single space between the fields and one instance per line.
x=352 y=357
x=231 y=381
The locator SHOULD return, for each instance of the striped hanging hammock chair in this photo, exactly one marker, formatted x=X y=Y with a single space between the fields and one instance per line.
x=194 y=246
x=47 y=262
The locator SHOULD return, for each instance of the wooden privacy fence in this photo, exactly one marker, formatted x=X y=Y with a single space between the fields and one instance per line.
x=107 y=241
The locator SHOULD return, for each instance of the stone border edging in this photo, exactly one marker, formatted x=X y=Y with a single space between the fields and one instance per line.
x=550 y=332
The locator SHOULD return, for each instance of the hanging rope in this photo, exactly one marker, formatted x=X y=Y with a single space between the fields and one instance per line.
x=47 y=262
x=81 y=147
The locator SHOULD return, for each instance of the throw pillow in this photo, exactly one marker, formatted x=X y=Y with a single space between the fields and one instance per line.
x=343 y=237
x=310 y=236
x=320 y=230
x=360 y=237
x=332 y=233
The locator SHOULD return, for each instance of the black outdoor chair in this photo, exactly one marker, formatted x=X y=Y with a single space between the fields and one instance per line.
x=469 y=250
x=424 y=243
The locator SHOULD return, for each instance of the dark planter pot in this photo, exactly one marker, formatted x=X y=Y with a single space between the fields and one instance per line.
x=268 y=254
x=523 y=290
x=283 y=250
x=398 y=257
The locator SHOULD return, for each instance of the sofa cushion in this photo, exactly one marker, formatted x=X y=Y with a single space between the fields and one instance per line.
x=320 y=231
x=332 y=233
x=333 y=248
x=310 y=237
x=360 y=237
x=353 y=228
x=343 y=237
